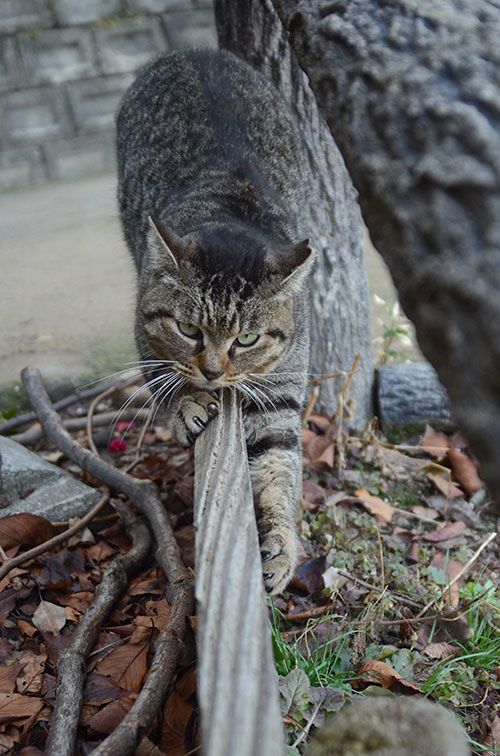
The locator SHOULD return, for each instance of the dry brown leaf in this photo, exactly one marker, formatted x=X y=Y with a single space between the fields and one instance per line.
x=8 y=677
x=176 y=715
x=9 y=738
x=109 y=717
x=446 y=533
x=49 y=618
x=25 y=530
x=31 y=678
x=382 y=510
x=493 y=737
x=465 y=471
x=445 y=486
x=16 y=707
x=146 y=747
x=378 y=672
x=126 y=665
x=26 y=628
x=434 y=444
x=441 y=650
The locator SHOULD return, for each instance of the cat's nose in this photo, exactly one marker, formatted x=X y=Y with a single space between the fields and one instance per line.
x=211 y=375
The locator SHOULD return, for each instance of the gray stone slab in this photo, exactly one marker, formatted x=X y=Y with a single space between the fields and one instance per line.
x=23 y=14
x=59 y=55
x=29 y=483
x=130 y=44
x=80 y=156
x=12 y=75
x=32 y=116
x=191 y=29
x=21 y=167
x=71 y=12
x=94 y=101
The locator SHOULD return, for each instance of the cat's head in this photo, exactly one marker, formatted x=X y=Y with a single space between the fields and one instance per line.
x=219 y=303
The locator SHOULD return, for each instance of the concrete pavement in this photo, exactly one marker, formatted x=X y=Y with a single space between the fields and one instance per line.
x=67 y=289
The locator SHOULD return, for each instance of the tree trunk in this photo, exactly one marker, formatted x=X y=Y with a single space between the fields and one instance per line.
x=410 y=92
x=340 y=304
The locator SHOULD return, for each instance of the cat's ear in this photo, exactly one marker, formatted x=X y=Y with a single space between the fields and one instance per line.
x=293 y=264
x=167 y=248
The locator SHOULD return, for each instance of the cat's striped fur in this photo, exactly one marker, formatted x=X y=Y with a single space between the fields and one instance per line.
x=210 y=192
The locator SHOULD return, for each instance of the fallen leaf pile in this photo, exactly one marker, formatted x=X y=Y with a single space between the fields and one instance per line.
x=42 y=601
x=384 y=531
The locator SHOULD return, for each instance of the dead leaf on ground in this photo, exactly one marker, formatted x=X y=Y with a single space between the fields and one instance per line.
x=493 y=737
x=109 y=717
x=465 y=471
x=8 y=677
x=377 y=672
x=447 y=536
x=31 y=678
x=382 y=510
x=444 y=485
x=442 y=650
x=49 y=618
x=15 y=707
x=126 y=665
x=176 y=718
x=434 y=444
x=25 y=530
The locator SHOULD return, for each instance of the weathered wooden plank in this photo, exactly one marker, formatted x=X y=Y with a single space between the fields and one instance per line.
x=237 y=683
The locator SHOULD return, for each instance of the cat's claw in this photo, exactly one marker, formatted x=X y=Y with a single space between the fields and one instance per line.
x=278 y=562
x=193 y=413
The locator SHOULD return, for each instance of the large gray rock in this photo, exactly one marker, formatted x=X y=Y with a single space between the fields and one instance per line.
x=29 y=483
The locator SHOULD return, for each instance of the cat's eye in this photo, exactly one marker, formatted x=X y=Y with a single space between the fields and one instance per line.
x=189 y=329
x=247 y=339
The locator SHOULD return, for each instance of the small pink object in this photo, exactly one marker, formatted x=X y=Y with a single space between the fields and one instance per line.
x=124 y=426
x=117 y=445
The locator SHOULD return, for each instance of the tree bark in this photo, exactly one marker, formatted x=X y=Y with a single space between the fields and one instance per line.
x=410 y=92
x=340 y=304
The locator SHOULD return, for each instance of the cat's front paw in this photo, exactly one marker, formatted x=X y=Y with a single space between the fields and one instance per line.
x=278 y=552
x=193 y=413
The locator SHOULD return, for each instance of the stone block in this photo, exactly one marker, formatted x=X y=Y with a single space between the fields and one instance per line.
x=80 y=156
x=21 y=168
x=94 y=101
x=58 y=55
x=11 y=70
x=71 y=12
x=24 y=14
x=29 y=483
x=157 y=6
x=33 y=116
x=192 y=29
x=130 y=44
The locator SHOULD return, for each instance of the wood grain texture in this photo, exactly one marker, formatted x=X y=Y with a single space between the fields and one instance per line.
x=237 y=683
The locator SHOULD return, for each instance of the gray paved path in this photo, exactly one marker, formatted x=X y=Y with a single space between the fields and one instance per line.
x=67 y=284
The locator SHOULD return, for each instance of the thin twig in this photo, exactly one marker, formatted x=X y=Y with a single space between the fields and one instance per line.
x=36 y=433
x=310 y=405
x=462 y=572
x=381 y=557
x=67 y=401
x=71 y=670
x=16 y=561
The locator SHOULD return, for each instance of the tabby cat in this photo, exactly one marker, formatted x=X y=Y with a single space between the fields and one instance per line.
x=210 y=193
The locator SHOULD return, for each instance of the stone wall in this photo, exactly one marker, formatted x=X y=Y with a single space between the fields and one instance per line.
x=64 y=65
